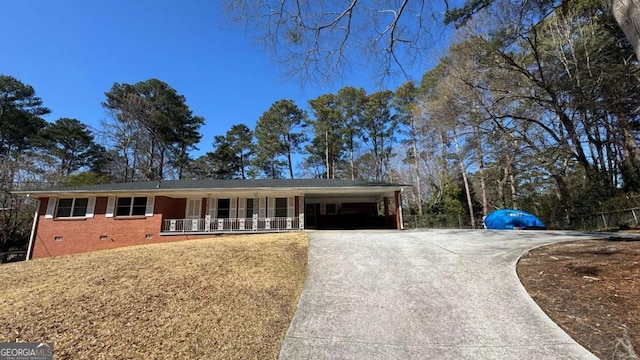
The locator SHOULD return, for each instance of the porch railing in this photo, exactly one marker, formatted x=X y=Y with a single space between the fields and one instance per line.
x=230 y=225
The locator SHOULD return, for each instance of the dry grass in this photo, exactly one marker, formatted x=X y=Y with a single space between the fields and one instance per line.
x=229 y=298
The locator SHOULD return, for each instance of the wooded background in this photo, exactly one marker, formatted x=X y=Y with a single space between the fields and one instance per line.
x=536 y=108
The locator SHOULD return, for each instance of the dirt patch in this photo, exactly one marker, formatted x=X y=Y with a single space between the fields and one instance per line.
x=224 y=298
x=592 y=290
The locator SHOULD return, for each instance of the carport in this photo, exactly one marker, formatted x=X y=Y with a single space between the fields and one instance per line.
x=364 y=206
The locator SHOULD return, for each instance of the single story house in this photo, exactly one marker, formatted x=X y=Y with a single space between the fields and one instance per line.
x=87 y=218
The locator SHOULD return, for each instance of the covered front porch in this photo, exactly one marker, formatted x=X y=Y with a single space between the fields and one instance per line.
x=224 y=213
x=277 y=211
x=196 y=226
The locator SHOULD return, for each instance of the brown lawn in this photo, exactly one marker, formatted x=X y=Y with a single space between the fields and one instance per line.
x=592 y=290
x=227 y=298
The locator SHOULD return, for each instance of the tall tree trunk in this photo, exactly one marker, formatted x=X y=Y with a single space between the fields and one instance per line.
x=512 y=183
x=483 y=186
x=134 y=166
x=333 y=168
x=627 y=14
x=128 y=166
x=467 y=190
x=242 y=164
x=443 y=151
x=564 y=195
x=630 y=145
x=416 y=165
x=182 y=162
x=160 y=175
x=611 y=152
x=598 y=143
x=569 y=126
x=501 y=193
x=290 y=163
x=465 y=179
x=326 y=152
x=509 y=175
x=152 y=153
x=353 y=169
x=631 y=152
x=377 y=159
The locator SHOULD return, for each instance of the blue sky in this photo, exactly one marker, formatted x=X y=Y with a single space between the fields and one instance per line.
x=73 y=51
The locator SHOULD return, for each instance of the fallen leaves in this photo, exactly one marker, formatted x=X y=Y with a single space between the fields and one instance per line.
x=584 y=287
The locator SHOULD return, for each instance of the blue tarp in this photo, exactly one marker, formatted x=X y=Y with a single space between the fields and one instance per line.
x=510 y=219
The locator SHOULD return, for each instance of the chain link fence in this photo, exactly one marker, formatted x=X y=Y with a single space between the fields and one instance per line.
x=439 y=222
x=620 y=219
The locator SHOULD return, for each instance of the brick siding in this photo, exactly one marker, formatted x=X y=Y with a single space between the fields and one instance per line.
x=84 y=234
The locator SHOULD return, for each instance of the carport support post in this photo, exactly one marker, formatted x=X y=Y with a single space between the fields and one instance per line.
x=399 y=220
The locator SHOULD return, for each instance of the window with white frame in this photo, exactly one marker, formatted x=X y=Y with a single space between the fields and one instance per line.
x=74 y=207
x=131 y=206
x=193 y=208
x=281 y=207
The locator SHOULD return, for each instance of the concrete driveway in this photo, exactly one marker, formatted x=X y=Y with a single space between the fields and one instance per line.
x=432 y=294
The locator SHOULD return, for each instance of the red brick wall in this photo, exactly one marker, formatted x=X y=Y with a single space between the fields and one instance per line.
x=170 y=208
x=83 y=235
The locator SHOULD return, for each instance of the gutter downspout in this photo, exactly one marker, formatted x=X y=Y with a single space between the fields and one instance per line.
x=33 y=230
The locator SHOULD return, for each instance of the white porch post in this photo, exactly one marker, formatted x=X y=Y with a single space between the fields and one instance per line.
x=207 y=216
x=242 y=202
x=256 y=208
x=301 y=211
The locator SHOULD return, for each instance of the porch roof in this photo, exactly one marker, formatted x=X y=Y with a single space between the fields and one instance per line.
x=175 y=188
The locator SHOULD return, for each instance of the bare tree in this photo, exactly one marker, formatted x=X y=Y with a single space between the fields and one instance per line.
x=317 y=40
x=320 y=40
